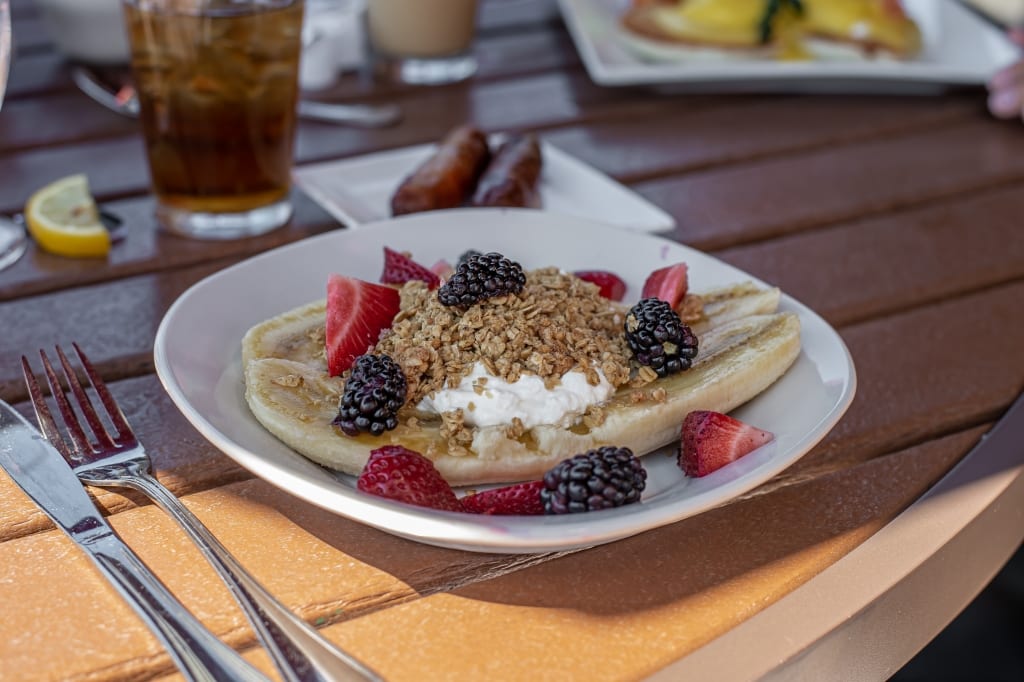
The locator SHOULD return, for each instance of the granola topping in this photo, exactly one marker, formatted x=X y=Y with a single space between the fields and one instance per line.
x=555 y=325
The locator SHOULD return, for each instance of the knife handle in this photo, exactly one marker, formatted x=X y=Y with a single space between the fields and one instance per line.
x=196 y=651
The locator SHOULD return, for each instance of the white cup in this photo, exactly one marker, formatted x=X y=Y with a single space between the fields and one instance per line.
x=422 y=41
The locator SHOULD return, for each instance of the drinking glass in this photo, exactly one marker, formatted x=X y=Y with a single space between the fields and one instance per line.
x=424 y=42
x=218 y=82
x=12 y=236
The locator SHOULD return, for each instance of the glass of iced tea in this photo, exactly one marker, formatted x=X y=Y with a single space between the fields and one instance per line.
x=217 y=82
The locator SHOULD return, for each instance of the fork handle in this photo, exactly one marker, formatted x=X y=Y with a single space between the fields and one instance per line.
x=300 y=652
x=198 y=654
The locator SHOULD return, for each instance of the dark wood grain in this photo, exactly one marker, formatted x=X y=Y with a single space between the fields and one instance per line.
x=926 y=372
x=888 y=264
x=736 y=130
x=37 y=74
x=778 y=196
x=146 y=249
x=39 y=122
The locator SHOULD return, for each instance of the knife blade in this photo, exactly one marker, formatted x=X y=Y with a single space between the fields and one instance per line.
x=40 y=470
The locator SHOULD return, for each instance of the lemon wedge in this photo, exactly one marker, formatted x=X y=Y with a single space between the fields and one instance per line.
x=63 y=219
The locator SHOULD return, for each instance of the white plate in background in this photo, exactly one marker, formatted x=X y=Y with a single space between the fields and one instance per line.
x=358 y=190
x=198 y=359
x=960 y=48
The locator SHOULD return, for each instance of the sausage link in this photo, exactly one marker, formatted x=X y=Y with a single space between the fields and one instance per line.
x=447 y=178
x=511 y=178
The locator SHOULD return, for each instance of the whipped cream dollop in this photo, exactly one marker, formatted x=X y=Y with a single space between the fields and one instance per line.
x=497 y=401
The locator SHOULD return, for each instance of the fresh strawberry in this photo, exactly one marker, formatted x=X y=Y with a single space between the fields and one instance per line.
x=711 y=440
x=443 y=269
x=520 y=499
x=669 y=284
x=400 y=474
x=399 y=269
x=357 y=311
x=611 y=285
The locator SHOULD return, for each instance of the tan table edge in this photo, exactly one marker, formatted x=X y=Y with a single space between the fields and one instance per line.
x=869 y=613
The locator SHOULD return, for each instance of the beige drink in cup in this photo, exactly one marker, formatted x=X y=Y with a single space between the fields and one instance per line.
x=217 y=82
x=422 y=41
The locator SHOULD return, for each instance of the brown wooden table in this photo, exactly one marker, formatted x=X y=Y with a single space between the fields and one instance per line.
x=897 y=218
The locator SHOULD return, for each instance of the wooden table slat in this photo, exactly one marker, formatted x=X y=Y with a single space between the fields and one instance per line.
x=884 y=265
x=778 y=196
x=145 y=249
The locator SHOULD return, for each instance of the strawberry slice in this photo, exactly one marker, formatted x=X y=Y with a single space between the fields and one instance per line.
x=443 y=269
x=399 y=269
x=711 y=440
x=520 y=499
x=669 y=284
x=357 y=311
x=406 y=476
x=611 y=285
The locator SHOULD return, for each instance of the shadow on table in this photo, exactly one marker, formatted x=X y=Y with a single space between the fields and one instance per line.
x=791 y=534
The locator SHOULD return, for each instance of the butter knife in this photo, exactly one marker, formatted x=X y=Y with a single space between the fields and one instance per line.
x=42 y=473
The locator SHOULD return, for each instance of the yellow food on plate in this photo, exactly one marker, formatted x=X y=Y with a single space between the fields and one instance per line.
x=557 y=335
x=63 y=219
x=862 y=27
x=775 y=29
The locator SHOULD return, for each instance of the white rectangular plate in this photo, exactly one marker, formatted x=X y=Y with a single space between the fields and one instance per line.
x=198 y=359
x=960 y=48
x=358 y=190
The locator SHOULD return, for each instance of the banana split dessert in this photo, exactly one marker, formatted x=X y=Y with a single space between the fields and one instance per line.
x=487 y=373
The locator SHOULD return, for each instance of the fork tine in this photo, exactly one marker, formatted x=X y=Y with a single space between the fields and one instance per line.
x=84 y=403
x=42 y=410
x=124 y=430
x=78 y=438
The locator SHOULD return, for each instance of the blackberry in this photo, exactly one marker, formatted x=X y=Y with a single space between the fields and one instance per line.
x=599 y=479
x=374 y=392
x=481 y=277
x=658 y=338
x=466 y=255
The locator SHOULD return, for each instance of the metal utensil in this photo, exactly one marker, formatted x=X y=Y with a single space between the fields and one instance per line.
x=125 y=101
x=13 y=242
x=12 y=236
x=45 y=477
x=5 y=46
x=299 y=651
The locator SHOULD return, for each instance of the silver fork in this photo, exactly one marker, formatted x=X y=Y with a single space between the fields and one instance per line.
x=298 y=650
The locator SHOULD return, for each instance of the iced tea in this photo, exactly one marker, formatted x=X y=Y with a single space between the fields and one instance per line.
x=217 y=82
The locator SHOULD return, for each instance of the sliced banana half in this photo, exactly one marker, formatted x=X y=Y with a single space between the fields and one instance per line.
x=744 y=347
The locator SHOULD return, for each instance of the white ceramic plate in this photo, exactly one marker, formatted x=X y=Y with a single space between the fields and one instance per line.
x=959 y=49
x=358 y=190
x=198 y=360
